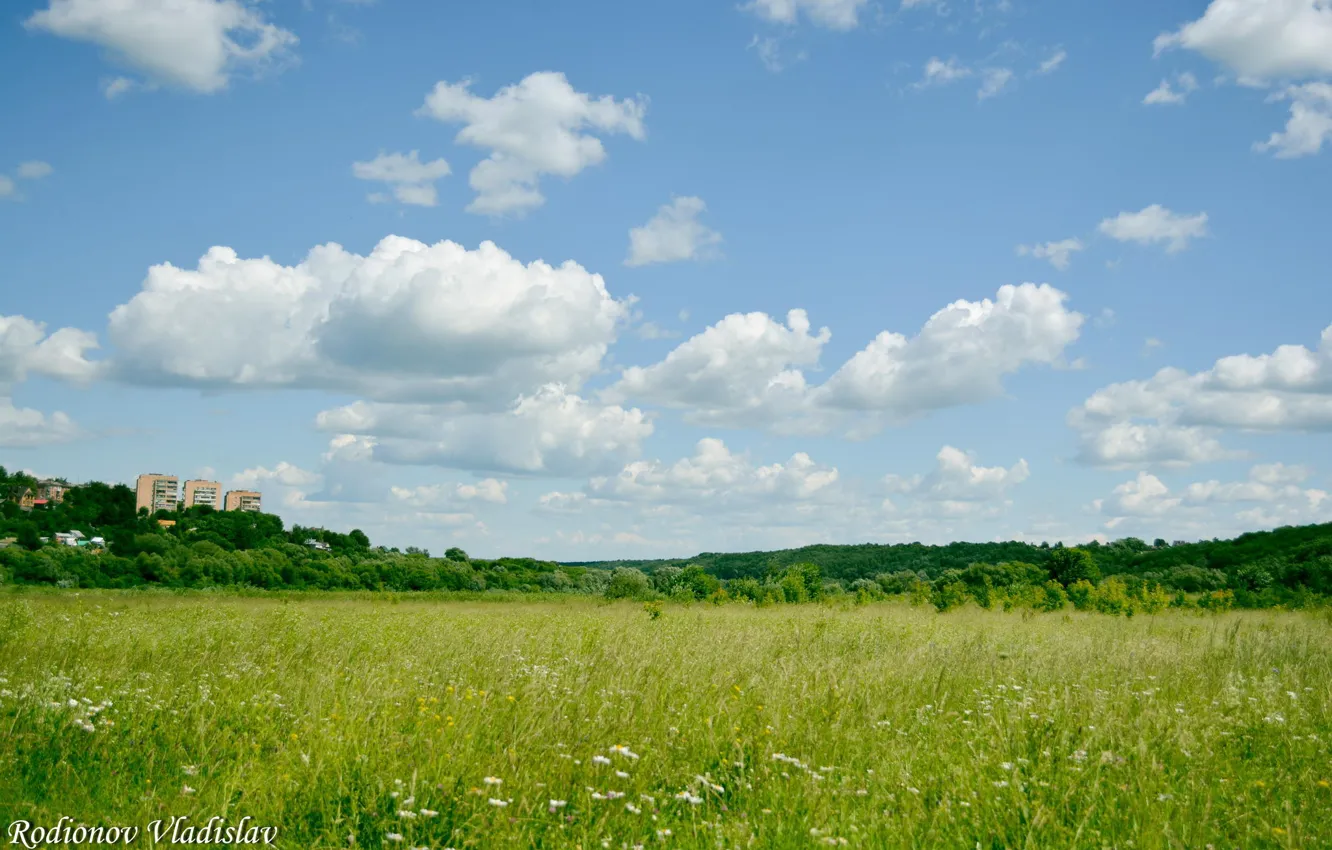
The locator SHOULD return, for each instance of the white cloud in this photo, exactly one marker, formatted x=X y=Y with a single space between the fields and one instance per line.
x=673 y=234
x=7 y=187
x=412 y=181
x=194 y=44
x=1261 y=39
x=1173 y=416
x=1053 y=63
x=408 y=322
x=746 y=370
x=769 y=50
x=994 y=81
x=26 y=349
x=34 y=169
x=1146 y=502
x=1167 y=94
x=960 y=355
x=489 y=490
x=22 y=427
x=957 y=479
x=1058 y=253
x=943 y=71
x=740 y=370
x=539 y=126
x=284 y=474
x=549 y=432
x=715 y=477
x=832 y=14
x=1310 y=123
x=117 y=86
x=1146 y=495
x=1154 y=225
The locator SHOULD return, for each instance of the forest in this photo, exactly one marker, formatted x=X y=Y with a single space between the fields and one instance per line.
x=199 y=548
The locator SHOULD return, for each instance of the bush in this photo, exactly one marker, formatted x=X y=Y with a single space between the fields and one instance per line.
x=628 y=583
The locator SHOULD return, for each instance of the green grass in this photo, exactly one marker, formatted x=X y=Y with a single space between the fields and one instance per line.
x=897 y=727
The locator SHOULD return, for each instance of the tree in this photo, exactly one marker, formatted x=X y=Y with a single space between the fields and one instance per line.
x=453 y=553
x=1071 y=565
x=628 y=583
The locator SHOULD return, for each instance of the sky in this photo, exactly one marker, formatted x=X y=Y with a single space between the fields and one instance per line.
x=599 y=280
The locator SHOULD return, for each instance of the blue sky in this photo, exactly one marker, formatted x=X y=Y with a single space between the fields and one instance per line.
x=1009 y=216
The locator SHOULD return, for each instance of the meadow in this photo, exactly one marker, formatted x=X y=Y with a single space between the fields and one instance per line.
x=564 y=722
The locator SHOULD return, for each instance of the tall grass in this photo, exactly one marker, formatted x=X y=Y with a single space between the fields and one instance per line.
x=879 y=727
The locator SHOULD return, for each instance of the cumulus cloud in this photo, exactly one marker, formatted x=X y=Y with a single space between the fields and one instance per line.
x=408 y=322
x=489 y=490
x=672 y=235
x=412 y=181
x=27 y=349
x=741 y=371
x=717 y=477
x=1172 y=94
x=284 y=474
x=958 y=484
x=1270 y=496
x=548 y=432
x=538 y=126
x=1261 y=39
x=23 y=427
x=831 y=14
x=192 y=44
x=1310 y=123
x=1059 y=253
x=746 y=370
x=1145 y=495
x=1155 y=225
x=1173 y=416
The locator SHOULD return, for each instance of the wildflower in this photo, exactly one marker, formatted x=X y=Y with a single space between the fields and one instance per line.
x=689 y=798
x=408 y=801
x=600 y=760
x=597 y=795
x=392 y=836
x=621 y=749
x=914 y=790
x=1161 y=798
x=429 y=813
x=632 y=809
x=558 y=804
x=621 y=774
x=1008 y=765
x=1278 y=831
x=1002 y=783
x=663 y=833
x=498 y=803
x=1079 y=756
x=493 y=780
x=862 y=792
x=186 y=790
x=614 y=795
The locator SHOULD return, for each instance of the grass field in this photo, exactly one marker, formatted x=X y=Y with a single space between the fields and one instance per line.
x=456 y=724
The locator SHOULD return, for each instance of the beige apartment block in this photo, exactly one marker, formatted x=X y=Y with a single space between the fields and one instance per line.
x=243 y=500
x=203 y=493
x=156 y=492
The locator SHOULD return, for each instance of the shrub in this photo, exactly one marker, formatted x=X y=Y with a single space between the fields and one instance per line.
x=628 y=583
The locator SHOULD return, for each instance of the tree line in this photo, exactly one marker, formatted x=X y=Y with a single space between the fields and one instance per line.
x=200 y=547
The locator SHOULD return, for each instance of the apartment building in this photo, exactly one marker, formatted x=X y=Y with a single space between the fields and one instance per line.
x=156 y=492
x=198 y=492
x=243 y=500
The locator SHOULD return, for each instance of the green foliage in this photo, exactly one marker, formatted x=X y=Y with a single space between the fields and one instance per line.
x=653 y=609
x=628 y=583
x=1072 y=565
